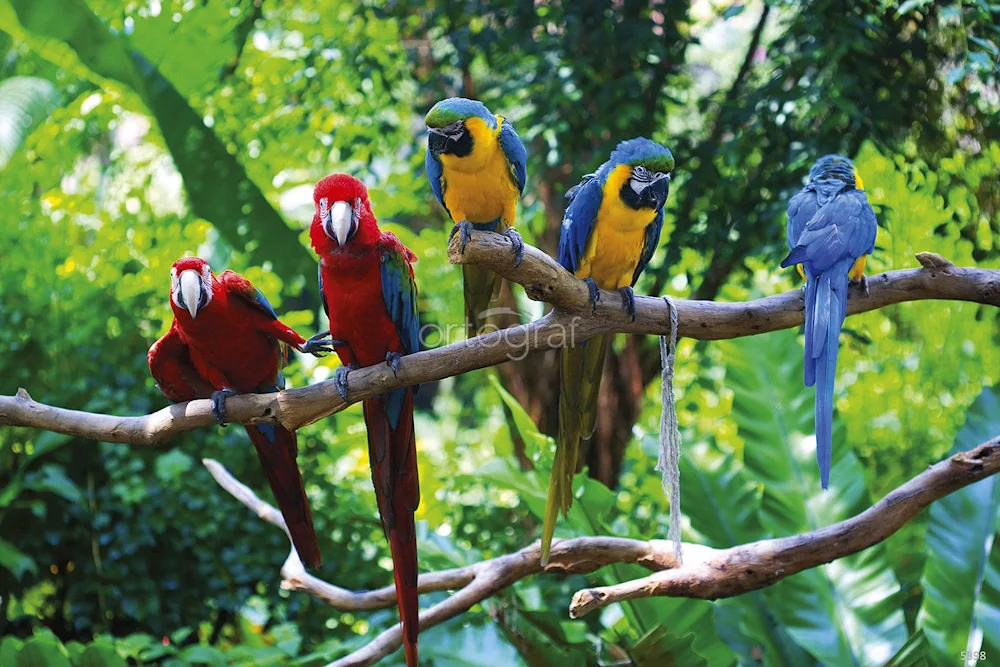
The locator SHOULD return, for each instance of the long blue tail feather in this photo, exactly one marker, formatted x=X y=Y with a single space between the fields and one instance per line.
x=824 y=322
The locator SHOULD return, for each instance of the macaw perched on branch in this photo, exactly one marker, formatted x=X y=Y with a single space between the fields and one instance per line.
x=477 y=167
x=226 y=339
x=609 y=233
x=831 y=232
x=369 y=293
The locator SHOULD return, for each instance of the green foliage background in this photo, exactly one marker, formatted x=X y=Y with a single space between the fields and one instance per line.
x=132 y=133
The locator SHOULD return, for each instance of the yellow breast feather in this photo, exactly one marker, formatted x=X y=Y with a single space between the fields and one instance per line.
x=479 y=187
x=616 y=241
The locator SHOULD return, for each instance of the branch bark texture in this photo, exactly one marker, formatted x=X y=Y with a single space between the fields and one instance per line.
x=571 y=321
x=706 y=573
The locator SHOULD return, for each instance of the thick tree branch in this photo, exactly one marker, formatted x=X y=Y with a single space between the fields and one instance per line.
x=706 y=573
x=572 y=321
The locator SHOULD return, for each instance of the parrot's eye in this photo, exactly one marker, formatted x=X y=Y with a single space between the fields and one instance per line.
x=454 y=130
x=640 y=173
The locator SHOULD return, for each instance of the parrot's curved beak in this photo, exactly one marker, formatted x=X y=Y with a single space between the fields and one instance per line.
x=190 y=291
x=340 y=223
x=659 y=189
x=437 y=140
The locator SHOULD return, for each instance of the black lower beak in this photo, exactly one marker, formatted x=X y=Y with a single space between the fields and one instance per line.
x=436 y=142
x=659 y=191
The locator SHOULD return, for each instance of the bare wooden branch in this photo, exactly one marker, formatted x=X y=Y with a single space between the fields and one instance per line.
x=706 y=573
x=571 y=321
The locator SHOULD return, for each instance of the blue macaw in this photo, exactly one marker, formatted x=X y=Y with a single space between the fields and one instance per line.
x=831 y=232
x=609 y=233
x=477 y=167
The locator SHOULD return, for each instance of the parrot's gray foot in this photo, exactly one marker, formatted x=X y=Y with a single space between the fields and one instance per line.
x=466 y=228
x=392 y=361
x=518 y=243
x=219 y=404
x=595 y=294
x=340 y=379
x=320 y=344
x=628 y=300
x=863 y=284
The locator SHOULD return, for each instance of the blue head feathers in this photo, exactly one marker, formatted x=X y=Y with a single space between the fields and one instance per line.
x=639 y=152
x=454 y=109
x=833 y=166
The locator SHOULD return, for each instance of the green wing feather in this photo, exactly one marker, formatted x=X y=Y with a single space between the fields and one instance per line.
x=580 y=370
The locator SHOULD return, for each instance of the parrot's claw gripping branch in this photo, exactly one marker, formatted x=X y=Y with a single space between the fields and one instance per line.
x=465 y=227
x=219 y=404
x=392 y=361
x=340 y=379
x=594 y=295
x=706 y=573
x=863 y=285
x=518 y=243
x=628 y=301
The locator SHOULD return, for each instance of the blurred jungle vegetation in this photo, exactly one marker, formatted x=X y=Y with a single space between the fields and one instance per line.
x=133 y=132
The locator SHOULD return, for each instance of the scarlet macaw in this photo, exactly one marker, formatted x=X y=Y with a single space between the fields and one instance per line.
x=369 y=293
x=831 y=232
x=477 y=167
x=609 y=233
x=226 y=339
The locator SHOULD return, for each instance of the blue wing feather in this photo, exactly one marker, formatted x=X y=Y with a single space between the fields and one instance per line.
x=513 y=150
x=242 y=288
x=435 y=174
x=265 y=305
x=801 y=209
x=650 y=244
x=845 y=228
x=399 y=291
x=322 y=296
x=578 y=221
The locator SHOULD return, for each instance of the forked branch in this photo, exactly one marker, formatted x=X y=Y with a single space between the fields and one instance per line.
x=706 y=573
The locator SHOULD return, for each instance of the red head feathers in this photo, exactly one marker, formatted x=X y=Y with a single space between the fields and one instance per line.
x=343 y=215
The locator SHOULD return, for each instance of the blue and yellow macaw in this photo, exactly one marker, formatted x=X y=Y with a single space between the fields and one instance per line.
x=609 y=233
x=477 y=167
x=831 y=232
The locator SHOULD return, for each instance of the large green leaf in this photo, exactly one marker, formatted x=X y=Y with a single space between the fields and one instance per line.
x=723 y=505
x=100 y=654
x=42 y=650
x=541 y=637
x=846 y=612
x=24 y=102
x=51 y=478
x=218 y=187
x=961 y=575
x=15 y=560
x=913 y=653
x=461 y=644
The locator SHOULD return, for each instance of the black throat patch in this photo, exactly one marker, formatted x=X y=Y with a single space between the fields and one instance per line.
x=632 y=199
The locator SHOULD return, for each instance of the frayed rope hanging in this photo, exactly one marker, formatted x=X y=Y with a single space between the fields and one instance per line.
x=670 y=437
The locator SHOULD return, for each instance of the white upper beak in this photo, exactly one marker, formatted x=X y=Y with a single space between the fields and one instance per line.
x=190 y=289
x=341 y=219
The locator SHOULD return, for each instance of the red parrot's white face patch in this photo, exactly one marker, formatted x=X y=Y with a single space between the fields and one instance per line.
x=340 y=220
x=191 y=289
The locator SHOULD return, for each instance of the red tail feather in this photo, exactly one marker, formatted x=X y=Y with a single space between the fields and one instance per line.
x=393 y=454
x=277 y=457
